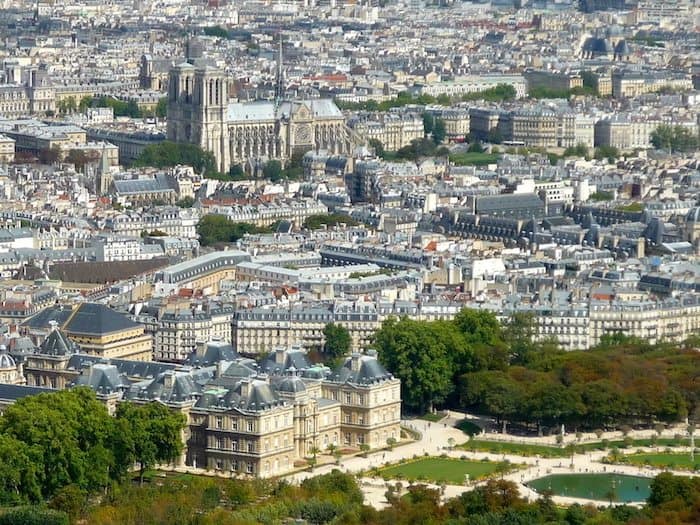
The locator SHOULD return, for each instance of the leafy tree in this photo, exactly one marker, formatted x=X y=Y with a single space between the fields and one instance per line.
x=590 y=81
x=70 y=499
x=518 y=334
x=68 y=435
x=216 y=31
x=439 y=131
x=162 y=107
x=424 y=147
x=166 y=154
x=674 y=138
x=416 y=353
x=217 y=228
x=378 y=147
x=428 y=123
x=580 y=150
x=494 y=393
x=479 y=327
x=475 y=147
x=151 y=434
x=20 y=472
x=81 y=158
x=235 y=172
x=498 y=93
x=67 y=105
x=316 y=222
x=273 y=170
x=337 y=340
x=185 y=202
x=121 y=108
x=602 y=196
x=85 y=103
x=443 y=100
x=607 y=152
x=667 y=488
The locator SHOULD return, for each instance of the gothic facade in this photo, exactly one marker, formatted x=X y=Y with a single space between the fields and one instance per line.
x=237 y=133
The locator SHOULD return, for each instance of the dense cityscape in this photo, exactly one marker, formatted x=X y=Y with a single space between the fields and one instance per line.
x=349 y=262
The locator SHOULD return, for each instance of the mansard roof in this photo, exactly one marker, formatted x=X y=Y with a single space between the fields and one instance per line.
x=361 y=370
x=57 y=344
x=103 y=378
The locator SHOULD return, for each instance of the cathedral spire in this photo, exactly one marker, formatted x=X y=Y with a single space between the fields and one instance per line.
x=279 y=81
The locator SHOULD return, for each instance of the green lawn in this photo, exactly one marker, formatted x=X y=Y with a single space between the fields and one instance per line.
x=441 y=470
x=673 y=460
x=551 y=451
x=432 y=417
x=519 y=449
x=473 y=159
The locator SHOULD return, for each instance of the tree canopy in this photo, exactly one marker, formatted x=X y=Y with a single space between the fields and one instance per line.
x=167 y=153
x=337 y=340
x=316 y=222
x=214 y=229
x=50 y=441
x=478 y=364
x=674 y=138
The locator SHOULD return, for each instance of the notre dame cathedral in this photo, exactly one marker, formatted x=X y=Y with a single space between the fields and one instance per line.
x=199 y=112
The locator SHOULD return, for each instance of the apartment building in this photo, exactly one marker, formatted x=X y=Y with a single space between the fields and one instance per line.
x=256 y=329
x=393 y=130
x=179 y=327
x=173 y=221
x=266 y=213
x=625 y=133
x=7 y=149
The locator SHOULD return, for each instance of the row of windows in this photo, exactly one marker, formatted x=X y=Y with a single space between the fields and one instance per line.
x=223 y=443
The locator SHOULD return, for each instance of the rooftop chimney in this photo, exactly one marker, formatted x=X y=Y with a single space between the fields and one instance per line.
x=245 y=388
x=355 y=364
x=169 y=379
x=280 y=353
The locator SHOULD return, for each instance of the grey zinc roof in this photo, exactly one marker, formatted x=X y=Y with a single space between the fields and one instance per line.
x=263 y=110
x=291 y=384
x=260 y=396
x=293 y=359
x=43 y=319
x=168 y=387
x=97 y=319
x=239 y=368
x=57 y=344
x=152 y=184
x=130 y=368
x=102 y=378
x=15 y=392
x=366 y=372
x=251 y=111
x=214 y=352
x=488 y=203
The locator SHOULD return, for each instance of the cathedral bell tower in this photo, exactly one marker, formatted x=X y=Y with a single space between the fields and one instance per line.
x=197 y=110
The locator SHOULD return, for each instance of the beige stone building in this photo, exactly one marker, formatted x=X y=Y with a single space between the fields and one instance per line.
x=7 y=149
x=625 y=133
x=95 y=328
x=243 y=418
x=393 y=130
